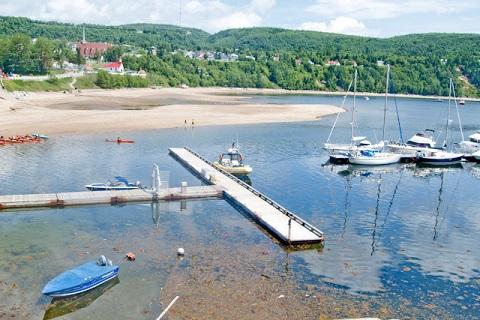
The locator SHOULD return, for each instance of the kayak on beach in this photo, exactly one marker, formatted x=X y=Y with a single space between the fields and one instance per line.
x=19 y=139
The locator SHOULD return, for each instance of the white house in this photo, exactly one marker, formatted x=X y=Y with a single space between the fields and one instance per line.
x=114 y=67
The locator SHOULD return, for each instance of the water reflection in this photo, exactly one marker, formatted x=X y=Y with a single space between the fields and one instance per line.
x=61 y=306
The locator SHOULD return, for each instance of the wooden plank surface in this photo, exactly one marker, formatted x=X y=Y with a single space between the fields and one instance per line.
x=267 y=215
x=104 y=197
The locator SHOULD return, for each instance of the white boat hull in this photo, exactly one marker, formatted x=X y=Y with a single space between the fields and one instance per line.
x=375 y=160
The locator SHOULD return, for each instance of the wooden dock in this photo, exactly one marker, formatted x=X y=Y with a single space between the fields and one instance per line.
x=58 y=200
x=280 y=222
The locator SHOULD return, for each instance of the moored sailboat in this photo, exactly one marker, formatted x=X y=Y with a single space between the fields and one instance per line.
x=376 y=157
x=442 y=157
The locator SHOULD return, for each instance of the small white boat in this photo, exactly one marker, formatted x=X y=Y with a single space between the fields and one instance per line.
x=439 y=158
x=232 y=162
x=373 y=158
x=461 y=102
x=366 y=98
x=121 y=183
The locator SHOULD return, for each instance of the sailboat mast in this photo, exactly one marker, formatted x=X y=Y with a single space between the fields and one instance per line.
x=354 y=101
x=448 y=114
x=458 y=113
x=386 y=101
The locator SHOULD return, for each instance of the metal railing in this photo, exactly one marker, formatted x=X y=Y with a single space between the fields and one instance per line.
x=271 y=202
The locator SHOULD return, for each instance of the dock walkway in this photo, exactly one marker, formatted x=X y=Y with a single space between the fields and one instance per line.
x=283 y=224
x=64 y=199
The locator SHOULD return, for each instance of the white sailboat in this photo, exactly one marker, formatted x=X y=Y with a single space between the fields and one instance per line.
x=442 y=157
x=356 y=142
x=376 y=157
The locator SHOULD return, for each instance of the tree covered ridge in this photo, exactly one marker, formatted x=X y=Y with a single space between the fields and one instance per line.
x=290 y=59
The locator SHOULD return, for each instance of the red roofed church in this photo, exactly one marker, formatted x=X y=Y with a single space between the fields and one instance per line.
x=91 y=49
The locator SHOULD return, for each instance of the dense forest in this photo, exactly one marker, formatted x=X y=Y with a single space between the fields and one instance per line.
x=421 y=63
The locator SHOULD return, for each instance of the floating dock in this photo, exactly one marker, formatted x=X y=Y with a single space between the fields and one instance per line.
x=59 y=200
x=283 y=224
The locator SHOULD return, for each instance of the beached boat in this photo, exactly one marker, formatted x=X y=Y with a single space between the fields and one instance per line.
x=373 y=158
x=81 y=279
x=121 y=183
x=232 y=162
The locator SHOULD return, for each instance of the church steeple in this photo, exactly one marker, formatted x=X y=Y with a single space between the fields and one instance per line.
x=83 y=39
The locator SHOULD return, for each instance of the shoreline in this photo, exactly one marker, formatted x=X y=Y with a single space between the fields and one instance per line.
x=123 y=110
x=259 y=91
x=256 y=91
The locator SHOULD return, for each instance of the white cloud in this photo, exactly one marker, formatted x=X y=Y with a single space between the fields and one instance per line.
x=343 y=25
x=210 y=15
x=262 y=5
x=382 y=9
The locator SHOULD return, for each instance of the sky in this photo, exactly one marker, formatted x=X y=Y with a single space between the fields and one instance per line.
x=378 y=18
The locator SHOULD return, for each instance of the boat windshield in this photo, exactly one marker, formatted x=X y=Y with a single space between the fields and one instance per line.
x=231 y=159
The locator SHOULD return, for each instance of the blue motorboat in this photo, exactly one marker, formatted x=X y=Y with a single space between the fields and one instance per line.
x=83 y=278
x=121 y=183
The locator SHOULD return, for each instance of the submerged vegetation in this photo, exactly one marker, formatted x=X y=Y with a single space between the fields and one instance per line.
x=267 y=57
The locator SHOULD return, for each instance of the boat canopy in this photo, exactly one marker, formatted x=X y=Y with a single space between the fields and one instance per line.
x=122 y=179
x=421 y=140
x=358 y=138
x=475 y=137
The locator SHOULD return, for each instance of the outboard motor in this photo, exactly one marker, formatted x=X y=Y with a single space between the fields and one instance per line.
x=102 y=261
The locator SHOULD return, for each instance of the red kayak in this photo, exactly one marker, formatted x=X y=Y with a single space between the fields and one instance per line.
x=120 y=140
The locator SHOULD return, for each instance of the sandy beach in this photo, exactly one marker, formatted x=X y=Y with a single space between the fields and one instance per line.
x=138 y=109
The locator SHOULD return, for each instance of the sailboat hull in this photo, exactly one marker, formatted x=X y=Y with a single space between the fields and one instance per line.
x=377 y=159
x=440 y=161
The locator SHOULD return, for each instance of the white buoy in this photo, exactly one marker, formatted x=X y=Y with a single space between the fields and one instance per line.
x=180 y=252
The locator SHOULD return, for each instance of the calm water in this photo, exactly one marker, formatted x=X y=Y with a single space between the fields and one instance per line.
x=399 y=233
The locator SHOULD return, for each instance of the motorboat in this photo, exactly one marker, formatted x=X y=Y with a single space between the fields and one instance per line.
x=471 y=145
x=121 y=183
x=461 y=102
x=373 y=158
x=232 y=162
x=439 y=158
x=82 y=278
x=421 y=141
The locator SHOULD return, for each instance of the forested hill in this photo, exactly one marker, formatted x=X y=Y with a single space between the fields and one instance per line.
x=143 y=35
x=290 y=59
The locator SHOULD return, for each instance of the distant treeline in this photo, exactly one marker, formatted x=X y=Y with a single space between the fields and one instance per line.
x=289 y=59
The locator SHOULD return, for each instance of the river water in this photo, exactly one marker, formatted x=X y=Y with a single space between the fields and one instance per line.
x=401 y=234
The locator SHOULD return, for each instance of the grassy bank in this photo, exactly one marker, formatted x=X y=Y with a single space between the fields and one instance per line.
x=48 y=85
x=86 y=82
